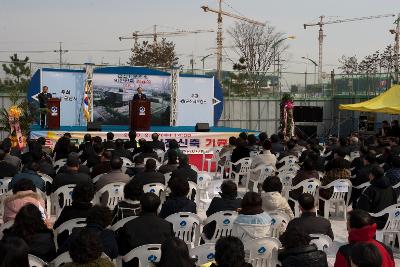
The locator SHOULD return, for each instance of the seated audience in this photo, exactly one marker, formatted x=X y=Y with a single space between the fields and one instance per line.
x=114 y=176
x=229 y=251
x=172 y=163
x=104 y=166
x=227 y=150
x=266 y=157
x=394 y=172
x=252 y=143
x=272 y=200
x=24 y=192
x=184 y=170
x=240 y=151
x=291 y=151
x=338 y=156
x=251 y=217
x=365 y=255
x=157 y=144
x=136 y=232
x=14 y=252
x=307 y=171
x=147 y=151
x=172 y=145
x=276 y=145
x=175 y=252
x=71 y=176
x=86 y=148
x=86 y=251
x=297 y=250
x=30 y=173
x=361 y=228
x=150 y=175
x=30 y=226
x=11 y=159
x=120 y=150
x=178 y=200
x=138 y=168
x=95 y=158
x=378 y=196
x=130 y=205
x=308 y=221
x=109 y=143
x=63 y=147
x=97 y=221
x=131 y=144
x=7 y=169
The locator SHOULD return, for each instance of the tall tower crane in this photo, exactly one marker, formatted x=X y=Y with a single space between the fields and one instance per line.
x=321 y=35
x=220 y=12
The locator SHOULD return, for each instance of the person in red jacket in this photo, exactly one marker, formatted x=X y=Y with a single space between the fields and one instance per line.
x=361 y=228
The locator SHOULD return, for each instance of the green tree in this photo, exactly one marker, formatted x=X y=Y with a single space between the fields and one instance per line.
x=17 y=73
x=161 y=54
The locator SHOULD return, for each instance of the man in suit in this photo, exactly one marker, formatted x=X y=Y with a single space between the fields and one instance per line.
x=43 y=98
x=145 y=229
x=114 y=176
x=184 y=170
x=139 y=95
x=157 y=144
x=150 y=175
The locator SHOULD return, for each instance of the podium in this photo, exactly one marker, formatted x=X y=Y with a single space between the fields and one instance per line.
x=53 y=116
x=140 y=115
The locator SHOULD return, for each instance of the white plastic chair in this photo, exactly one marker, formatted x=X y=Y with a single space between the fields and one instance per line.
x=194 y=167
x=194 y=189
x=126 y=163
x=167 y=177
x=35 y=261
x=388 y=233
x=224 y=223
x=254 y=153
x=286 y=180
x=203 y=181
x=262 y=252
x=309 y=186
x=160 y=154
x=323 y=242
x=3 y=192
x=97 y=178
x=61 y=260
x=156 y=188
x=289 y=160
x=115 y=193
x=203 y=253
x=186 y=227
x=121 y=223
x=221 y=166
x=214 y=159
x=354 y=155
x=395 y=188
x=279 y=222
x=5 y=226
x=340 y=197
x=245 y=165
x=68 y=226
x=293 y=168
x=64 y=192
x=258 y=175
x=59 y=163
x=146 y=254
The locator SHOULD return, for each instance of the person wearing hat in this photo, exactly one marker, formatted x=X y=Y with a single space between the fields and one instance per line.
x=71 y=175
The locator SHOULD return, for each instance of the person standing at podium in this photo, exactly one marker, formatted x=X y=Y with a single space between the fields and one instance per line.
x=43 y=97
x=139 y=95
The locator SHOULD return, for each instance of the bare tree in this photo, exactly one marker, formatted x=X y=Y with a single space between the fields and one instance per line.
x=349 y=65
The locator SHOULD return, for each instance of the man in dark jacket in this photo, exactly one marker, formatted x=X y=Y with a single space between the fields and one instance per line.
x=146 y=229
x=30 y=173
x=95 y=159
x=277 y=147
x=132 y=143
x=104 y=166
x=150 y=175
x=109 y=144
x=120 y=150
x=309 y=221
x=7 y=169
x=157 y=144
x=172 y=163
x=240 y=151
x=184 y=169
x=378 y=196
x=361 y=228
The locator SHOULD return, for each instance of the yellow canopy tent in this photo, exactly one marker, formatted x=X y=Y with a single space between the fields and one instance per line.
x=387 y=102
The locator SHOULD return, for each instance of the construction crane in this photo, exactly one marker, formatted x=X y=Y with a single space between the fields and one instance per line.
x=136 y=35
x=396 y=33
x=220 y=12
x=321 y=35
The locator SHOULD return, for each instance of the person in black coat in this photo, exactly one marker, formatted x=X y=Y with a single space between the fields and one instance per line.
x=97 y=220
x=240 y=151
x=297 y=250
x=139 y=95
x=109 y=144
x=309 y=222
x=29 y=226
x=277 y=147
x=131 y=143
x=130 y=205
x=43 y=98
x=104 y=166
x=120 y=150
x=229 y=251
x=150 y=175
x=145 y=229
x=172 y=163
x=184 y=170
x=146 y=151
x=7 y=169
x=95 y=158
x=157 y=144
x=178 y=201
x=378 y=196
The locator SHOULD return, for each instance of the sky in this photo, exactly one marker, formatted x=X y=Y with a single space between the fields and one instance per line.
x=89 y=25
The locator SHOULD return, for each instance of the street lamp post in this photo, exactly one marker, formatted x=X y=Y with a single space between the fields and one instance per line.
x=203 y=59
x=315 y=67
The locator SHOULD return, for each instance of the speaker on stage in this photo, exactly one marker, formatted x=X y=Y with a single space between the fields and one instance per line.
x=202 y=127
x=93 y=126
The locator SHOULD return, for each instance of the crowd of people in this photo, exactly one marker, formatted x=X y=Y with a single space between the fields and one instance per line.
x=96 y=163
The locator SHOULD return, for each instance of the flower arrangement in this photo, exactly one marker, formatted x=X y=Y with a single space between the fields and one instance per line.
x=286 y=120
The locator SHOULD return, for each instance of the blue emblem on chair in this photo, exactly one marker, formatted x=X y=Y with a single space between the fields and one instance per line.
x=152 y=258
x=397 y=214
x=152 y=190
x=226 y=221
x=183 y=223
x=273 y=221
x=210 y=256
x=201 y=178
x=116 y=190
x=310 y=186
x=261 y=250
x=290 y=161
x=70 y=193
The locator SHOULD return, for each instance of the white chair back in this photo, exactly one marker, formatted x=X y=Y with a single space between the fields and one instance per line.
x=245 y=167
x=156 y=188
x=214 y=159
x=293 y=168
x=35 y=261
x=309 y=186
x=126 y=163
x=262 y=252
x=194 y=167
x=68 y=226
x=341 y=196
x=5 y=226
x=160 y=154
x=224 y=223
x=203 y=182
x=391 y=229
x=115 y=227
x=193 y=189
x=354 y=155
x=203 y=253
x=286 y=180
x=146 y=254
x=167 y=177
x=258 y=176
x=59 y=163
x=254 y=153
x=115 y=192
x=97 y=178
x=4 y=192
x=323 y=242
x=289 y=160
x=61 y=260
x=65 y=193
x=279 y=222
x=186 y=227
